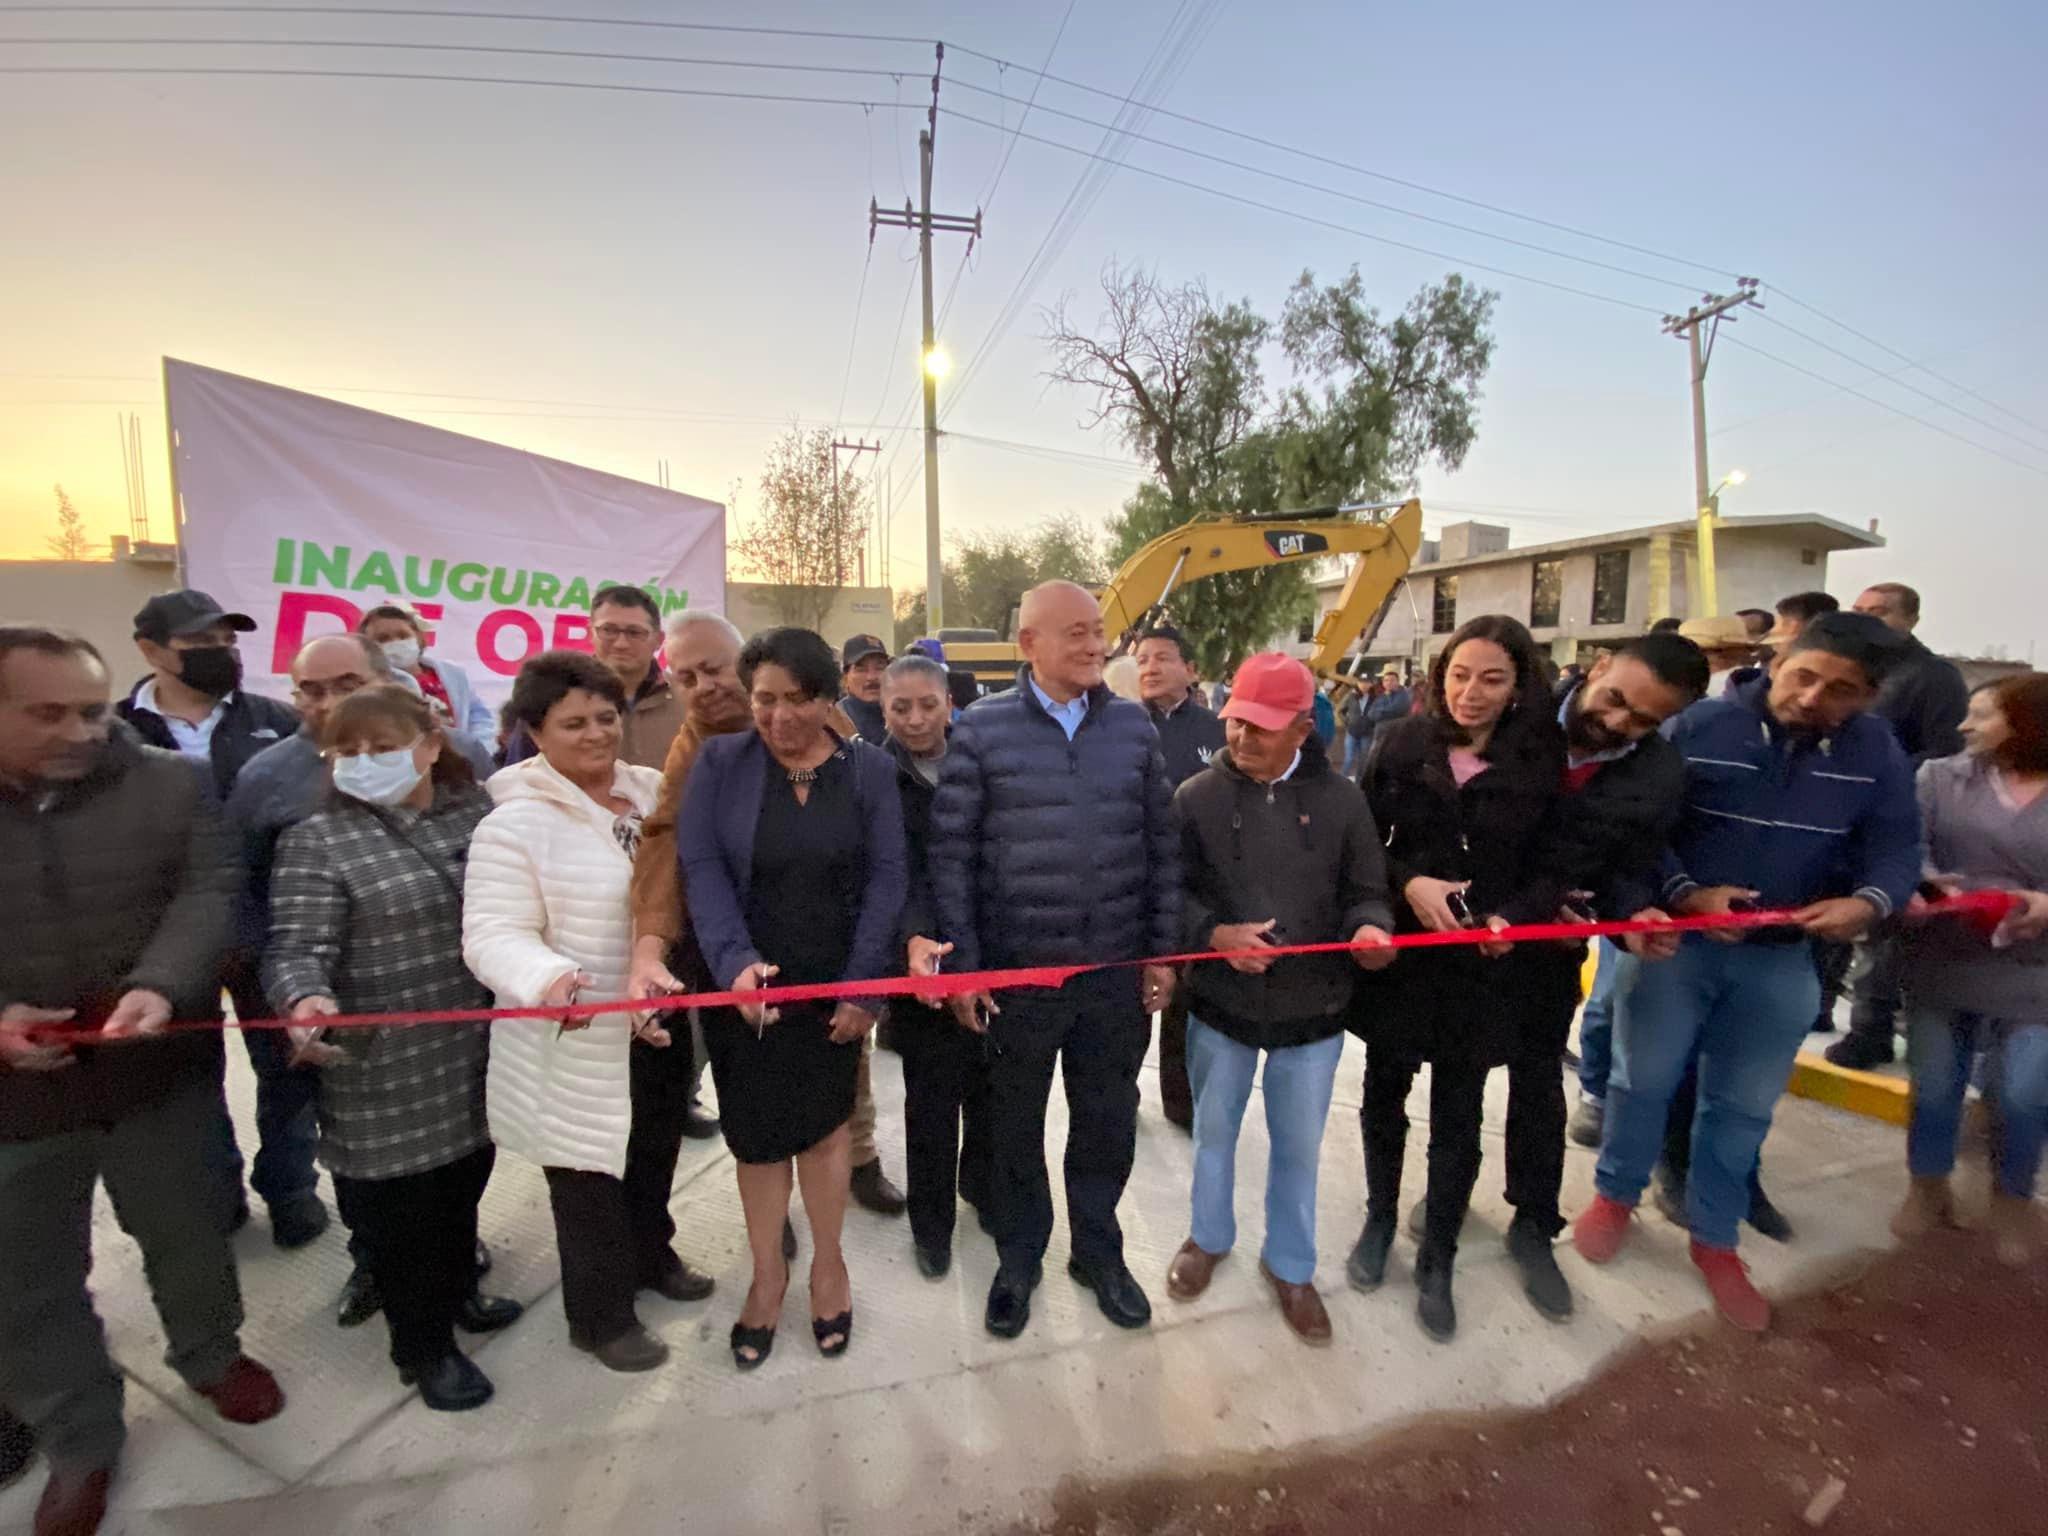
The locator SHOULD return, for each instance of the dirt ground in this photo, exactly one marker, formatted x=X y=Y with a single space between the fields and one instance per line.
x=1922 y=1386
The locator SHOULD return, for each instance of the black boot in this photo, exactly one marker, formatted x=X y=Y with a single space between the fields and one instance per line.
x=1542 y=1281
x=17 y=1447
x=1367 y=1266
x=1433 y=1306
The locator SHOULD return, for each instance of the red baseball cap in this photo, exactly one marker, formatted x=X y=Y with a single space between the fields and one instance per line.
x=1270 y=691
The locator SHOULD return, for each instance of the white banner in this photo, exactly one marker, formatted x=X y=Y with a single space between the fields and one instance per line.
x=305 y=513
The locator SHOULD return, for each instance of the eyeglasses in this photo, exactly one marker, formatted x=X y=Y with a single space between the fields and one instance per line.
x=623 y=632
x=334 y=688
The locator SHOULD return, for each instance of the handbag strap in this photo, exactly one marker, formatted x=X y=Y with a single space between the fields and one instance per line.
x=398 y=831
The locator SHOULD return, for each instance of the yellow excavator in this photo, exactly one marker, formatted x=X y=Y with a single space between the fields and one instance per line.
x=1385 y=537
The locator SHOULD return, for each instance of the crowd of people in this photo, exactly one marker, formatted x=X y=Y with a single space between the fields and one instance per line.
x=686 y=810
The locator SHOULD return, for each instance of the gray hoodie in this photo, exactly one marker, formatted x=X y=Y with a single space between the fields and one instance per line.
x=1970 y=833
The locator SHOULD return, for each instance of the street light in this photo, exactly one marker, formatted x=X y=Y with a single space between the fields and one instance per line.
x=936 y=364
x=1710 y=597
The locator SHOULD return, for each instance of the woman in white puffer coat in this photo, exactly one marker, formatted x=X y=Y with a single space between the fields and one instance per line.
x=546 y=922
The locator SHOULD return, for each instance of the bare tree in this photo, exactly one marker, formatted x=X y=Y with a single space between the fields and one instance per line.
x=805 y=537
x=70 y=541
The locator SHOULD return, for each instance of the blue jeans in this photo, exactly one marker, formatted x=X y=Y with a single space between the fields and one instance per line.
x=1297 y=1086
x=1743 y=1009
x=1596 y=1025
x=1940 y=1043
x=287 y=1124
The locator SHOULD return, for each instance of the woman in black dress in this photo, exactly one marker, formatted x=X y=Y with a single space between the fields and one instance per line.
x=1462 y=793
x=791 y=843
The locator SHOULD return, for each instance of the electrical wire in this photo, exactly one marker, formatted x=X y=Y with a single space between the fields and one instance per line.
x=436 y=79
x=609 y=56
x=421 y=13
x=1361 y=170
x=1915 y=389
x=1885 y=405
x=1331 y=224
x=1003 y=165
x=1910 y=362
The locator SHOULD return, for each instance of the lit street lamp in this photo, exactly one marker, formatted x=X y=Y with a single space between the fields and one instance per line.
x=1710 y=597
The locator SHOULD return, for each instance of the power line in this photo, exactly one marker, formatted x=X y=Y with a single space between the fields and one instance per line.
x=1924 y=394
x=595 y=54
x=1331 y=224
x=853 y=341
x=1169 y=56
x=1886 y=405
x=1004 y=164
x=416 y=13
x=1367 y=171
x=1269 y=174
x=1910 y=362
x=435 y=79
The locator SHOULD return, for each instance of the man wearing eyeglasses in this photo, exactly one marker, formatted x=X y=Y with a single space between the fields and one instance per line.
x=625 y=631
x=276 y=790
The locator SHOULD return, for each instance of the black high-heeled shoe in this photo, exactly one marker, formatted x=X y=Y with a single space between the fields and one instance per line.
x=823 y=1328
x=760 y=1340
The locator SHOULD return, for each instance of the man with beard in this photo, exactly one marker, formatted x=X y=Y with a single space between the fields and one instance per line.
x=1623 y=786
x=117 y=881
x=1795 y=798
x=192 y=703
x=863 y=660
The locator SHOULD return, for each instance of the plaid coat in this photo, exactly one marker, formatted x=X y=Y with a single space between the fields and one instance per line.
x=365 y=909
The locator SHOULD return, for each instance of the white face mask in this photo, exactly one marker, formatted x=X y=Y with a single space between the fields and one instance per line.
x=402 y=654
x=378 y=778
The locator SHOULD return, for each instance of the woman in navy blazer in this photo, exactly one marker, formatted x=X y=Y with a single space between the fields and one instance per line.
x=790 y=839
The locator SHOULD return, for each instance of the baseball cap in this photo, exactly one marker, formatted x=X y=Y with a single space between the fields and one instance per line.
x=1270 y=691
x=928 y=648
x=170 y=614
x=859 y=648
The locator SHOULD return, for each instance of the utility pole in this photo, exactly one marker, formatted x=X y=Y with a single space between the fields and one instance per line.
x=856 y=448
x=1706 y=500
x=930 y=364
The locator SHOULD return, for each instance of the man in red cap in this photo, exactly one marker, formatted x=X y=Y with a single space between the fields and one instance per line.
x=1277 y=848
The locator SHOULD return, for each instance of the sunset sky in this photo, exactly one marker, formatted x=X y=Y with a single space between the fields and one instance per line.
x=619 y=278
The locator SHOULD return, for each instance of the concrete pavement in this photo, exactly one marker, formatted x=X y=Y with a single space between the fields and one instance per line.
x=928 y=1424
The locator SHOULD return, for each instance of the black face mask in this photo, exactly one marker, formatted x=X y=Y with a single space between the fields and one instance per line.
x=214 y=670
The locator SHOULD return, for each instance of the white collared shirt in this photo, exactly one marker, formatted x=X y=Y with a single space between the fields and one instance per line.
x=194 y=741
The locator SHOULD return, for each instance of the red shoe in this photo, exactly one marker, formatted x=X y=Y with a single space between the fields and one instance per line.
x=1600 y=1229
x=1728 y=1278
x=73 y=1506
x=248 y=1394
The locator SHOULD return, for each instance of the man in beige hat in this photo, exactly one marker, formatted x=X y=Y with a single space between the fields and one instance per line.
x=1726 y=640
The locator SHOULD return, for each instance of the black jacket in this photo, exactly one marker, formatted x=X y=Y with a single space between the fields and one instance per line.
x=867 y=719
x=1606 y=836
x=1188 y=738
x=1047 y=851
x=1302 y=852
x=250 y=724
x=122 y=880
x=1454 y=1003
x=920 y=910
x=1924 y=699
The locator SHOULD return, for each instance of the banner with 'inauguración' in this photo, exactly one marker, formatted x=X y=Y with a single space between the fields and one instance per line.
x=305 y=513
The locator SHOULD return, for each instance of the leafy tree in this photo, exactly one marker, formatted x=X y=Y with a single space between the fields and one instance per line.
x=804 y=541
x=1368 y=401
x=70 y=541
x=989 y=573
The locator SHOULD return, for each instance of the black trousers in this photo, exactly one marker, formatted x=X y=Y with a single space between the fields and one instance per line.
x=1831 y=966
x=945 y=1119
x=614 y=1234
x=1096 y=1030
x=1537 y=1114
x=418 y=1235
x=1176 y=1093
x=1457 y=1092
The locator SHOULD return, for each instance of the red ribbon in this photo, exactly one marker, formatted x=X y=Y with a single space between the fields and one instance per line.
x=1986 y=907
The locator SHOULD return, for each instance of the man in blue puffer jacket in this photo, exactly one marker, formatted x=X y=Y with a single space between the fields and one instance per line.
x=1795 y=798
x=1053 y=843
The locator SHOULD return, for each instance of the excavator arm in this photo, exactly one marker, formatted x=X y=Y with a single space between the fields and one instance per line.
x=1385 y=538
